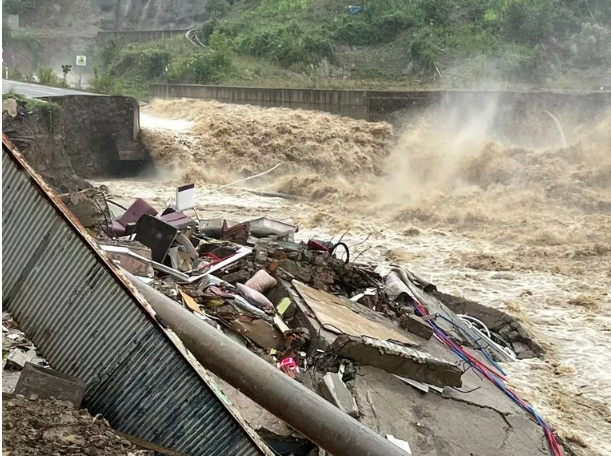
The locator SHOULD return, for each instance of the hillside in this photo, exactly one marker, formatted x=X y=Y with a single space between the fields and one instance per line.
x=388 y=44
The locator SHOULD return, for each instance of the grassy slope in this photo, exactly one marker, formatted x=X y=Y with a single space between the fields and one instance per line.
x=388 y=44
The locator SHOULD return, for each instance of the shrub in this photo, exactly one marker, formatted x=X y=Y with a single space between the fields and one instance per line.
x=592 y=46
x=46 y=76
x=105 y=82
x=536 y=21
x=285 y=44
x=179 y=71
x=436 y=12
x=362 y=30
x=210 y=67
x=153 y=62
x=423 y=53
x=17 y=6
x=111 y=52
x=520 y=63
x=206 y=30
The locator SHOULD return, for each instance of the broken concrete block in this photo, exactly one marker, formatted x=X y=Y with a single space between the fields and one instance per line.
x=344 y=316
x=398 y=359
x=259 y=331
x=522 y=350
x=47 y=383
x=129 y=263
x=18 y=358
x=400 y=443
x=417 y=326
x=336 y=392
x=239 y=276
x=301 y=273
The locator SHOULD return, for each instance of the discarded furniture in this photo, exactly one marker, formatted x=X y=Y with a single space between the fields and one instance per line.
x=177 y=219
x=214 y=227
x=238 y=233
x=266 y=227
x=185 y=197
x=132 y=215
x=155 y=234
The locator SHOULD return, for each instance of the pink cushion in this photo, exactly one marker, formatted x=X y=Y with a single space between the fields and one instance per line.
x=257 y=297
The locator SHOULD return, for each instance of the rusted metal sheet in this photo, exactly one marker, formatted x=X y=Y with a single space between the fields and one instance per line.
x=88 y=321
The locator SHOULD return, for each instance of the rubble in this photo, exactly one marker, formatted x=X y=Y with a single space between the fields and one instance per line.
x=40 y=409
x=37 y=427
x=17 y=350
x=346 y=331
x=417 y=326
x=336 y=392
x=45 y=383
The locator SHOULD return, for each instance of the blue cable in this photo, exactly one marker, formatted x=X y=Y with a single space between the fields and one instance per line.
x=488 y=357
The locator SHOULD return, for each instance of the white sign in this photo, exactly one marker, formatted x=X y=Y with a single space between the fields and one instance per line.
x=81 y=60
x=185 y=197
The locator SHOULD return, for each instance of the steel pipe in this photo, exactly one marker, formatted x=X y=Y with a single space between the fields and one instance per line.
x=302 y=409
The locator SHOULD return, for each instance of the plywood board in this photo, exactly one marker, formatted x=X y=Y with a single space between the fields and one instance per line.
x=336 y=317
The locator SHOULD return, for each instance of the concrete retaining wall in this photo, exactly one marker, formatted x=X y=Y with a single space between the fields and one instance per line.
x=138 y=36
x=350 y=103
x=101 y=134
x=393 y=107
x=390 y=105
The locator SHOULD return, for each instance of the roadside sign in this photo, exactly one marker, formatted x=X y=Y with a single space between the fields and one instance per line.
x=81 y=60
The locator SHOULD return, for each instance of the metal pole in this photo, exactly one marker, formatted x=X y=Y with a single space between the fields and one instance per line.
x=302 y=409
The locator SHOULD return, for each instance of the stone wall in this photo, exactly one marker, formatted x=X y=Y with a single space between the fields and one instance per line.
x=350 y=103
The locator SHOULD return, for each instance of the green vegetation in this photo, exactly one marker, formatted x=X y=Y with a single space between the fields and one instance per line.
x=18 y=6
x=47 y=76
x=388 y=43
x=47 y=110
x=21 y=39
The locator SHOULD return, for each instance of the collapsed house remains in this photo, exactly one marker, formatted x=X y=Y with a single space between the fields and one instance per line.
x=235 y=337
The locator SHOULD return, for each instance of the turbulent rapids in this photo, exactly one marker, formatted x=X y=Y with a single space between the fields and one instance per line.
x=522 y=228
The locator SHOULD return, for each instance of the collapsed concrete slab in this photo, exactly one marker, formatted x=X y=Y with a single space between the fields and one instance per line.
x=398 y=359
x=336 y=392
x=417 y=326
x=436 y=426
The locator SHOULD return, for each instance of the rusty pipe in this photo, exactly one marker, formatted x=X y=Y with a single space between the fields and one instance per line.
x=302 y=409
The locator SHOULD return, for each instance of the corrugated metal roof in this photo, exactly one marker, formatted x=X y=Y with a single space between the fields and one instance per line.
x=88 y=321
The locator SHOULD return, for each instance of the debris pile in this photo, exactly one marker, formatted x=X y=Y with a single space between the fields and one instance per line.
x=319 y=318
x=17 y=350
x=35 y=427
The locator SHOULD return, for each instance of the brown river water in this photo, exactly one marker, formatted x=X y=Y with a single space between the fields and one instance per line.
x=523 y=229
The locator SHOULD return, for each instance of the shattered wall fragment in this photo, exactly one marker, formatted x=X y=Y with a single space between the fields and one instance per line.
x=399 y=360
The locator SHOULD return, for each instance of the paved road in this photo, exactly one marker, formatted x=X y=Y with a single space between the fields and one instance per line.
x=38 y=91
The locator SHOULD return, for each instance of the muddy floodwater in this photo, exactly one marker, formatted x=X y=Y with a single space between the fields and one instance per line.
x=525 y=231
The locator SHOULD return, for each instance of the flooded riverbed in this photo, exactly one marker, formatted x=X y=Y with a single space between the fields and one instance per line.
x=525 y=231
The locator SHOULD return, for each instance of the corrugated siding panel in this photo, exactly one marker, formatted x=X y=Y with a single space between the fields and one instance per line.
x=87 y=325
